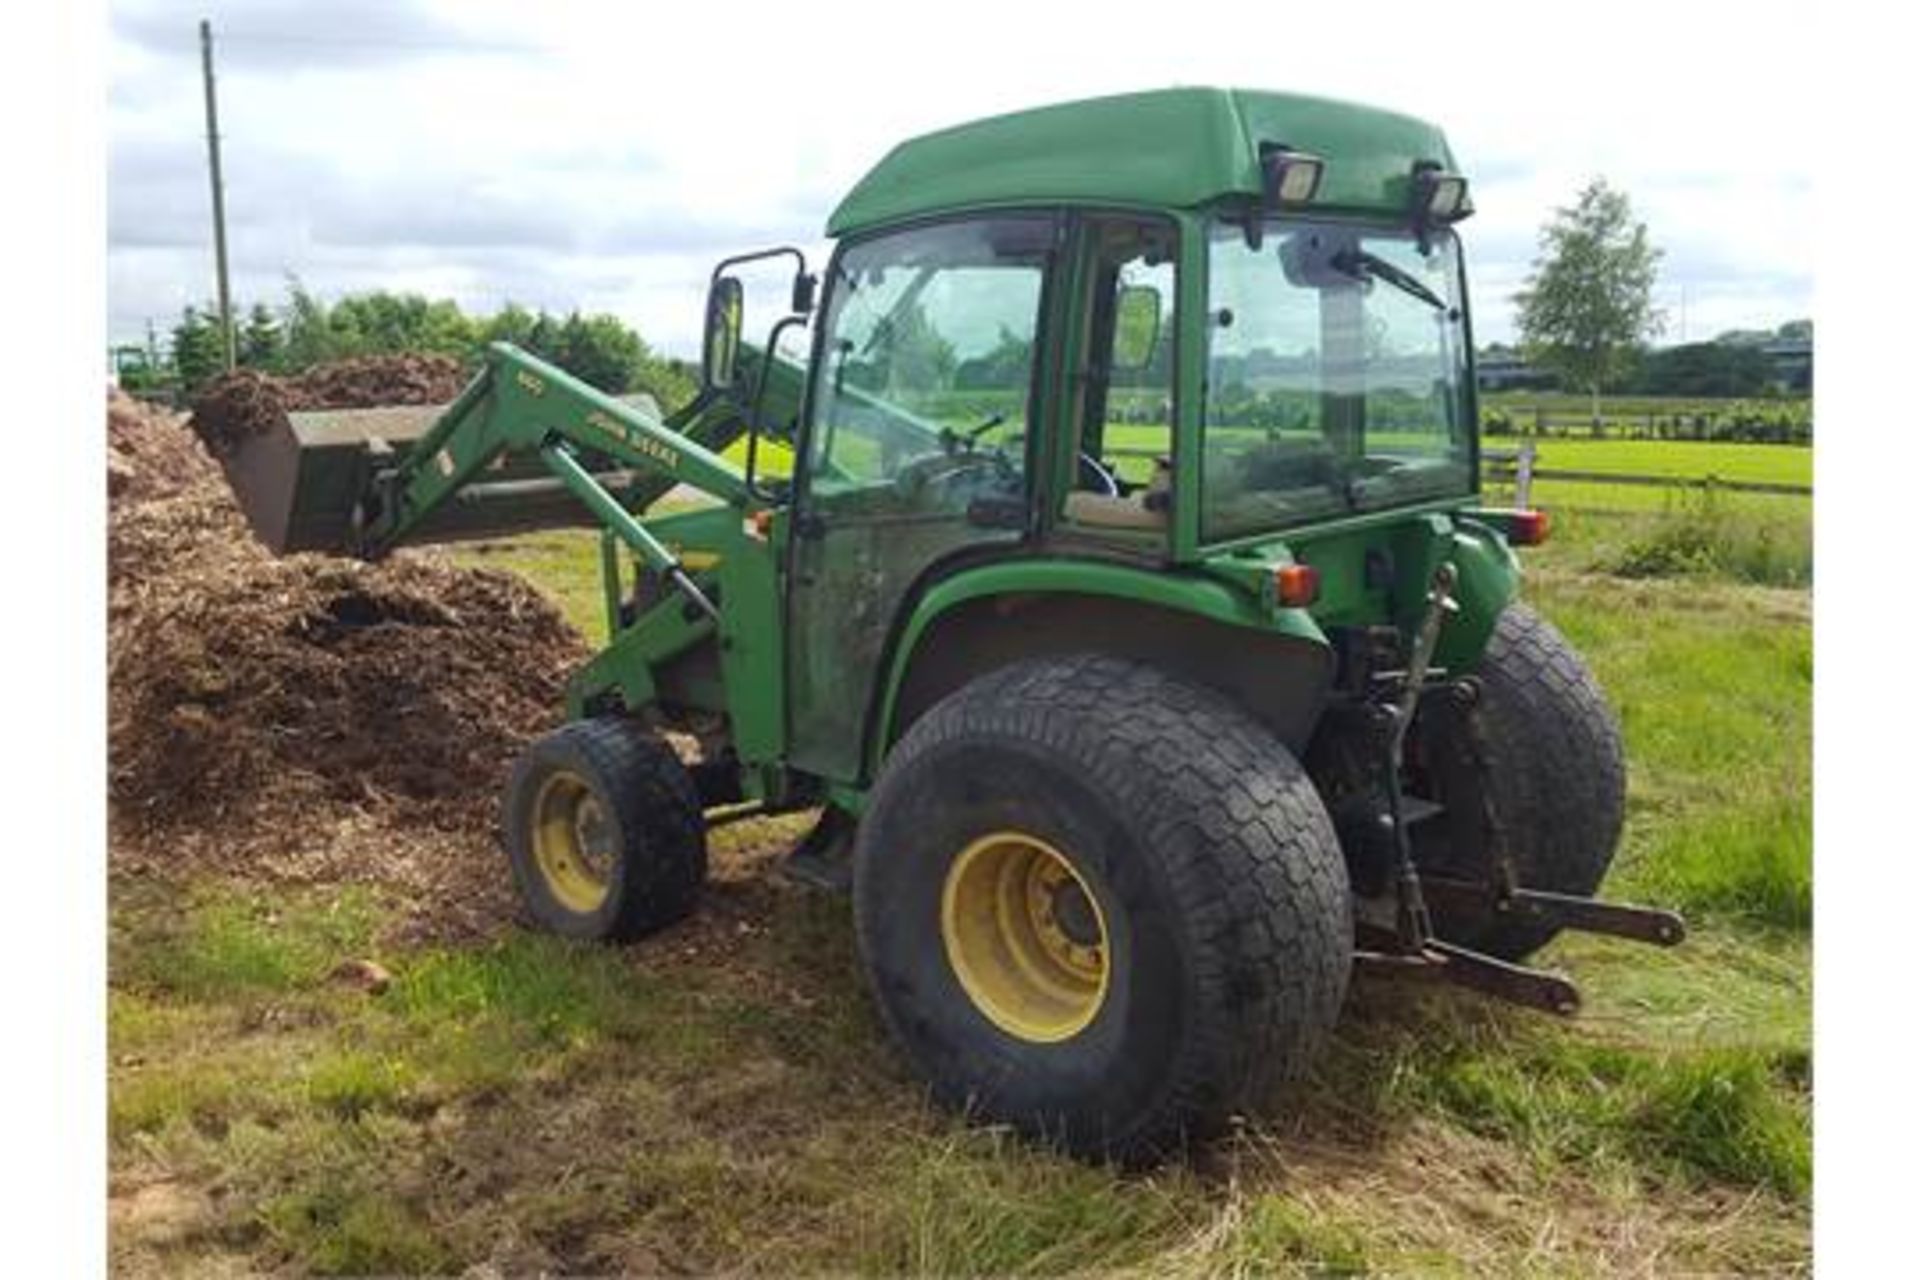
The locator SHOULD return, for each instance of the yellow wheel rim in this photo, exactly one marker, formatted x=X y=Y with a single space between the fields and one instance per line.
x=1025 y=937
x=573 y=842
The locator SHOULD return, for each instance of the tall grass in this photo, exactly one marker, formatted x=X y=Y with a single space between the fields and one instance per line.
x=1701 y=534
x=1755 y=863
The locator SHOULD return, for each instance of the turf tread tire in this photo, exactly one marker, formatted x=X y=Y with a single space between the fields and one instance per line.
x=1555 y=774
x=650 y=797
x=1232 y=839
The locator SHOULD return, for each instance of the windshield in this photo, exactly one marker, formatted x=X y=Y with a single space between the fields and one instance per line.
x=1336 y=375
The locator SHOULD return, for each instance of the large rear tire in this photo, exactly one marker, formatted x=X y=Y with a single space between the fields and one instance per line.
x=605 y=833
x=1545 y=783
x=1101 y=905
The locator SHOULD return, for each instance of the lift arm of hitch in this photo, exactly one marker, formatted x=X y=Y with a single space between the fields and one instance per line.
x=1563 y=910
x=1435 y=959
x=1439 y=961
x=1411 y=948
x=1415 y=924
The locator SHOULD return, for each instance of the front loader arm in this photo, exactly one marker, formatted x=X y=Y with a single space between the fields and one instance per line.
x=518 y=404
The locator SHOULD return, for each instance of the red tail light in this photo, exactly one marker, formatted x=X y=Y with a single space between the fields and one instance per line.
x=1528 y=528
x=1296 y=585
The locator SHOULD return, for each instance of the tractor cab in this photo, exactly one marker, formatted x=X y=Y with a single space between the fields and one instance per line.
x=1185 y=329
x=1164 y=321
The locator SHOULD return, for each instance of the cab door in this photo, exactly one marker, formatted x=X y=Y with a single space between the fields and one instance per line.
x=918 y=444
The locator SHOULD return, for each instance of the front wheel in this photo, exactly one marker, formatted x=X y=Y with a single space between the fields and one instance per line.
x=1100 y=905
x=605 y=833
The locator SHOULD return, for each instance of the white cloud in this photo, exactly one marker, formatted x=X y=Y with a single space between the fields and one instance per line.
x=603 y=156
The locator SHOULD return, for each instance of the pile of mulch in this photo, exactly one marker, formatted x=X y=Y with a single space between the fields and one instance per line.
x=145 y=462
x=246 y=402
x=306 y=718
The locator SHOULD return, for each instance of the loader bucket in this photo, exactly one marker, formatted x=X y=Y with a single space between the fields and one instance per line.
x=299 y=476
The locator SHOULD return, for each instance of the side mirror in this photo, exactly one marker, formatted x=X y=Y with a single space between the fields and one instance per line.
x=1136 y=326
x=720 y=349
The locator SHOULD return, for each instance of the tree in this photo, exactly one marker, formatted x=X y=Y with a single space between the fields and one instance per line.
x=917 y=356
x=199 y=350
x=1588 y=305
x=599 y=349
x=383 y=323
x=1705 y=369
x=308 y=338
x=667 y=381
x=511 y=323
x=1006 y=365
x=260 y=339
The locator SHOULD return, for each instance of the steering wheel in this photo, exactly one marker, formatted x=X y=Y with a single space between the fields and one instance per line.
x=948 y=469
x=1095 y=475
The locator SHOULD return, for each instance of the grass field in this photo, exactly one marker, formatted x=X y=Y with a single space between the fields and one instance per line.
x=1689 y=459
x=723 y=1097
x=1649 y=531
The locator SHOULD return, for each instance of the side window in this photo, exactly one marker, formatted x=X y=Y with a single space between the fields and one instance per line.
x=1125 y=416
x=1138 y=430
x=928 y=367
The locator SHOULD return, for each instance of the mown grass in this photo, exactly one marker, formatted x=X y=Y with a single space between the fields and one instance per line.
x=723 y=1097
x=223 y=946
x=595 y=1109
x=1685 y=459
x=1712 y=684
x=1731 y=1113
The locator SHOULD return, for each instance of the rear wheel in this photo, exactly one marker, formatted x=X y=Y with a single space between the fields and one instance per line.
x=1100 y=905
x=1534 y=772
x=604 y=832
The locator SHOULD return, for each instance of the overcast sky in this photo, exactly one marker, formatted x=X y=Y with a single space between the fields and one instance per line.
x=574 y=155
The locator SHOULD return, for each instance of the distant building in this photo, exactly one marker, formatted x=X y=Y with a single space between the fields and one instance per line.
x=1503 y=369
x=1792 y=360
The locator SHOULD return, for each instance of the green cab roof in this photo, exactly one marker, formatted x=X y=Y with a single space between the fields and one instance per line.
x=1167 y=147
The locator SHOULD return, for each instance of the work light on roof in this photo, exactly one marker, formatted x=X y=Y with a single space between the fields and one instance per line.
x=1290 y=177
x=1439 y=196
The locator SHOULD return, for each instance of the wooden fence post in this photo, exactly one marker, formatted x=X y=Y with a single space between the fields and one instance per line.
x=1523 y=476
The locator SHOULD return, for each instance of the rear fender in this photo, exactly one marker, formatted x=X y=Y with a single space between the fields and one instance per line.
x=1488 y=580
x=1274 y=662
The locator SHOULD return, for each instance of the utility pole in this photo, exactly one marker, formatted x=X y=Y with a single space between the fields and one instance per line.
x=219 y=196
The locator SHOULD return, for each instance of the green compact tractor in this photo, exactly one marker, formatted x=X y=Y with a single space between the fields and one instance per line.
x=1114 y=579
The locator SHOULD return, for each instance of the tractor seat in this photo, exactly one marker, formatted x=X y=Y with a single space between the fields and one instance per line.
x=1103 y=511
